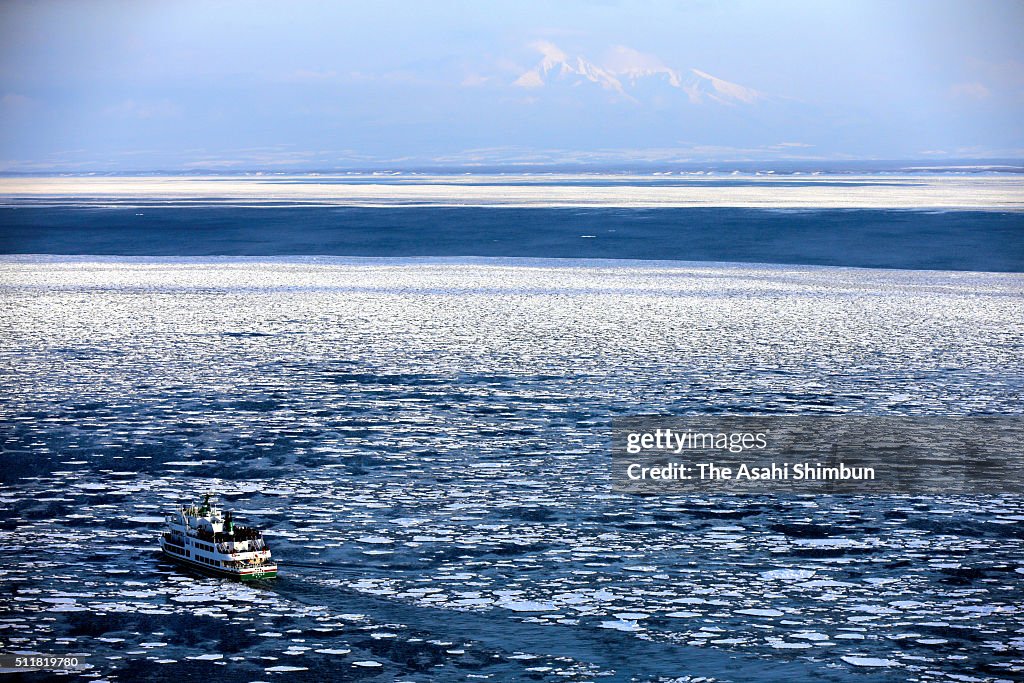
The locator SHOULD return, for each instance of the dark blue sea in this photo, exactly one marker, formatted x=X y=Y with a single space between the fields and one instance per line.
x=415 y=404
x=870 y=238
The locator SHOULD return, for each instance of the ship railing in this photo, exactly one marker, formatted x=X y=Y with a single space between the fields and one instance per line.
x=174 y=544
x=245 y=564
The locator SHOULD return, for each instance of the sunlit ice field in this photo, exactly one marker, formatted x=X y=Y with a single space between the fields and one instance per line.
x=425 y=442
x=903 y=190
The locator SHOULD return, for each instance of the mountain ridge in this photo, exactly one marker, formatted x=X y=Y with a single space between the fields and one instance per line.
x=628 y=71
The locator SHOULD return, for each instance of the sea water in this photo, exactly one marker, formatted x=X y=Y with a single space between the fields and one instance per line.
x=425 y=442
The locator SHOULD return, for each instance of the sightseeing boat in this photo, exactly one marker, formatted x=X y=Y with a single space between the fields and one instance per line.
x=206 y=538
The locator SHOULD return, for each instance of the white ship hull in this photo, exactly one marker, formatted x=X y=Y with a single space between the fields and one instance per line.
x=264 y=571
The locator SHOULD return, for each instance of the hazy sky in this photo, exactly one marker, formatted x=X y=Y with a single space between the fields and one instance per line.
x=317 y=85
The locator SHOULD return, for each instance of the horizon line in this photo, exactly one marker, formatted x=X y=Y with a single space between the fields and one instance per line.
x=965 y=164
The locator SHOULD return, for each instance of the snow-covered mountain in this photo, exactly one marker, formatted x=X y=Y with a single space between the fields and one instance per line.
x=631 y=75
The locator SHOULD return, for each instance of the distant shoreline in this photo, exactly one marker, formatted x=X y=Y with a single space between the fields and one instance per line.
x=869 y=191
x=610 y=166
